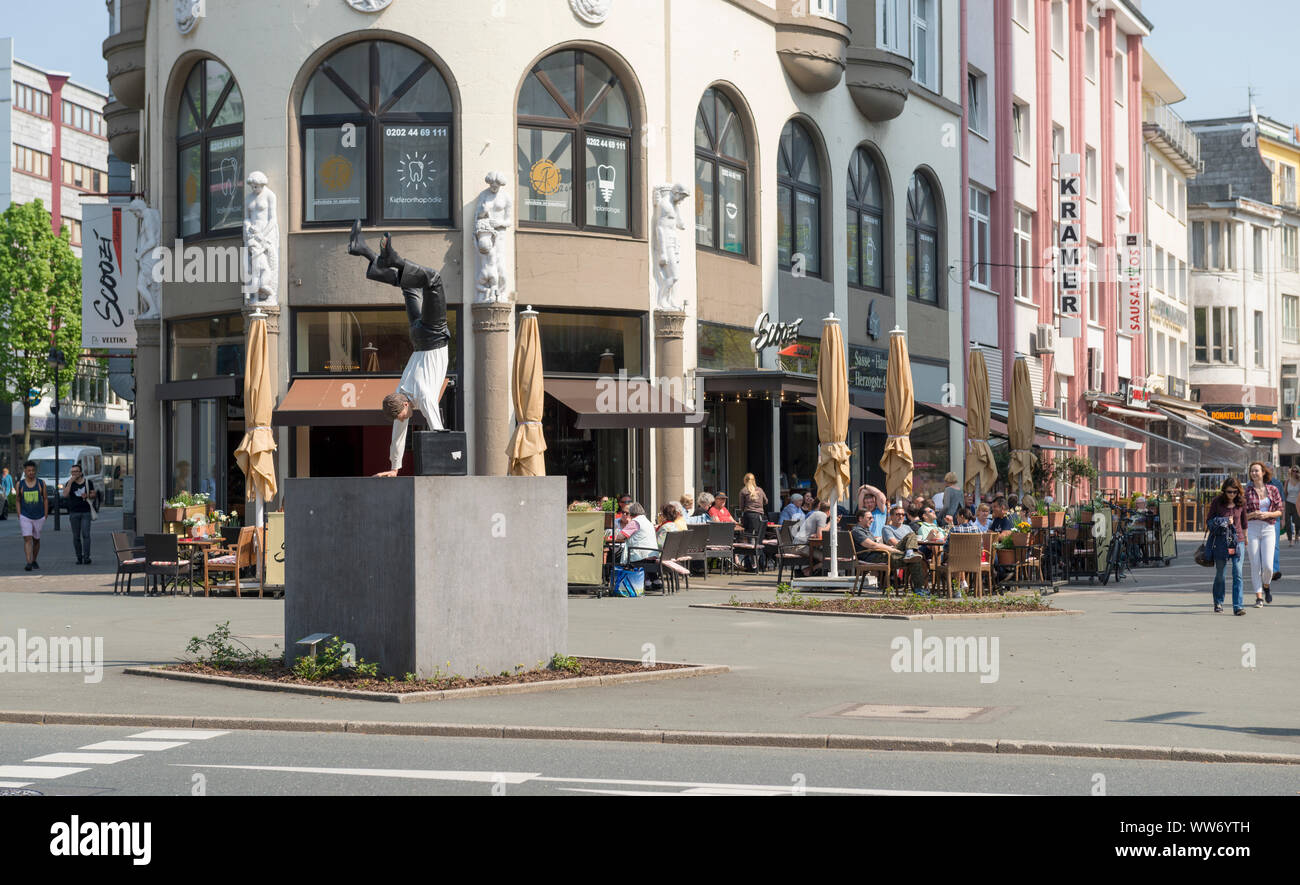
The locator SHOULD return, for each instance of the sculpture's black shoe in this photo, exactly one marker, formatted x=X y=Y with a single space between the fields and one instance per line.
x=356 y=245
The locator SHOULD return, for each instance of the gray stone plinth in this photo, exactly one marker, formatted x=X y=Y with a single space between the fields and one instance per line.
x=420 y=571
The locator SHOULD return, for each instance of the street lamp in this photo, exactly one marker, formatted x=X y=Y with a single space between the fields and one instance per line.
x=57 y=362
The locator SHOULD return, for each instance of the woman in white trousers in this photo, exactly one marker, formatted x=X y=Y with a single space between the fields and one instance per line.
x=1263 y=510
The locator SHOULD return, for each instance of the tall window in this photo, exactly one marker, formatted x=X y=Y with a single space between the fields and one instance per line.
x=377 y=136
x=798 y=201
x=1202 y=334
x=1159 y=281
x=976 y=112
x=1090 y=173
x=980 y=271
x=1289 y=384
x=1020 y=130
x=891 y=25
x=721 y=173
x=1290 y=247
x=922 y=241
x=1119 y=85
x=1058 y=27
x=575 y=145
x=925 y=43
x=866 y=218
x=1232 y=335
x=210 y=152
x=1024 y=255
x=1259 y=339
x=1090 y=53
x=1216 y=334
x=1094 y=286
x=1258 y=257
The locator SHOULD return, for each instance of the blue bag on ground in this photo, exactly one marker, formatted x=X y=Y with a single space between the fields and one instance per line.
x=628 y=582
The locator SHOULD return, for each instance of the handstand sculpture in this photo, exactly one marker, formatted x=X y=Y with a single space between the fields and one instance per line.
x=425 y=376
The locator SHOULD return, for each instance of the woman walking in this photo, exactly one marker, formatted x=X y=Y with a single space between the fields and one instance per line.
x=1263 y=510
x=753 y=511
x=1225 y=525
x=1292 y=496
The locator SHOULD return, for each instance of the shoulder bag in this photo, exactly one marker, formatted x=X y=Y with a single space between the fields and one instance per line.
x=94 y=511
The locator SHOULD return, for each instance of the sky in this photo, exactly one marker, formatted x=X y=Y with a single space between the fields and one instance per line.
x=1213 y=50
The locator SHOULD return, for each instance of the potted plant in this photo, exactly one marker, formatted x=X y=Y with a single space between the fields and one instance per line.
x=1055 y=515
x=181 y=507
x=1039 y=519
x=1071 y=469
x=1006 y=550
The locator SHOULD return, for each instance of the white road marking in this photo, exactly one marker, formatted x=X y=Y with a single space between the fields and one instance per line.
x=38 y=772
x=509 y=777
x=178 y=734
x=15 y=783
x=778 y=789
x=133 y=745
x=86 y=758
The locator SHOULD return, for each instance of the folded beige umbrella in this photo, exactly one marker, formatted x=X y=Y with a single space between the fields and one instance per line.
x=1020 y=428
x=899 y=409
x=254 y=452
x=980 y=466
x=527 y=444
x=833 y=454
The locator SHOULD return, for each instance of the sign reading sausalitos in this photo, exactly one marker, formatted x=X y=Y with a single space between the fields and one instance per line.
x=108 y=276
x=1130 y=250
x=1069 y=244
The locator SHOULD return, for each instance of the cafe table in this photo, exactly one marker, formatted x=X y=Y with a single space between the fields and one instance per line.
x=199 y=549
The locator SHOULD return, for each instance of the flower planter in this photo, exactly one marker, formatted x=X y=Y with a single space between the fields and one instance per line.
x=1020 y=539
x=1006 y=557
x=1056 y=519
x=1085 y=516
x=1038 y=522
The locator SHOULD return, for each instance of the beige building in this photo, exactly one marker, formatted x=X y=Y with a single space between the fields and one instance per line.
x=819 y=143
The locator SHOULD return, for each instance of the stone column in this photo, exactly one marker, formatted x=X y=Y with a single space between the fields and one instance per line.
x=671 y=448
x=148 y=448
x=492 y=407
x=273 y=363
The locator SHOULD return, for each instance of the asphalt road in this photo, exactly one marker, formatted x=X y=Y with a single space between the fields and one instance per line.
x=85 y=761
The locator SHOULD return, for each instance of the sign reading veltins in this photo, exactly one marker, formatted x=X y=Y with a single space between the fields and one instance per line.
x=1069 y=243
x=1130 y=250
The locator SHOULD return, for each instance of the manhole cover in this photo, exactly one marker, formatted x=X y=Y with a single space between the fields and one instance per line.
x=13 y=791
x=907 y=711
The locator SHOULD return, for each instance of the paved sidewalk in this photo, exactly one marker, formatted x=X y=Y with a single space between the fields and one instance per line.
x=58 y=558
x=1148 y=663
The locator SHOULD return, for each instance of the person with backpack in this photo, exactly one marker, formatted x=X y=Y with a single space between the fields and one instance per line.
x=6 y=489
x=1225 y=525
x=33 y=507
x=81 y=497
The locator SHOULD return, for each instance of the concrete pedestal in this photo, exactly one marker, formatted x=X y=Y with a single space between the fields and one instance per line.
x=492 y=391
x=147 y=457
x=420 y=571
x=669 y=329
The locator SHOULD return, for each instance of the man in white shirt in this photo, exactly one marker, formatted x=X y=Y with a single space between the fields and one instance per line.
x=425 y=376
x=639 y=533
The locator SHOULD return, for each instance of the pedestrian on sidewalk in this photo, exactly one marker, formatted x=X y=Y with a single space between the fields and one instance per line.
x=1276 y=482
x=33 y=507
x=753 y=512
x=6 y=489
x=1225 y=525
x=81 y=496
x=1263 y=510
x=1292 y=496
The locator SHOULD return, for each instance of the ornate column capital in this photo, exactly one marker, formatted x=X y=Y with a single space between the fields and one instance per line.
x=147 y=332
x=492 y=316
x=670 y=324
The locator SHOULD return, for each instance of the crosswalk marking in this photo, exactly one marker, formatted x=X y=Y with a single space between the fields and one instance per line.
x=15 y=783
x=86 y=758
x=176 y=734
x=133 y=745
x=38 y=772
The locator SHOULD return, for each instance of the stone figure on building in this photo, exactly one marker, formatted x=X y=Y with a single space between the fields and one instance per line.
x=492 y=220
x=261 y=243
x=146 y=241
x=425 y=376
x=188 y=13
x=667 y=222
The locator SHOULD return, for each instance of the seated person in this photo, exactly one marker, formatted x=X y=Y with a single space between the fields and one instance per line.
x=719 y=512
x=965 y=523
x=812 y=527
x=928 y=528
x=874 y=500
x=891 y=546
x=983 y=521
x=794 y=509
x=701 y=514
x=670 y=520
x=1001 y=521
x=809 y=505
x=639 y=535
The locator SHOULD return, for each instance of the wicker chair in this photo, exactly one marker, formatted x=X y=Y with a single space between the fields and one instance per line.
x=128 y=562
x=232 y=559
x=966 y=557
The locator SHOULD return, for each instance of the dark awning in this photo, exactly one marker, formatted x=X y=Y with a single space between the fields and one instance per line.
x=614 y=404
x=856 y=413
x=334 y=402
x=201 y=388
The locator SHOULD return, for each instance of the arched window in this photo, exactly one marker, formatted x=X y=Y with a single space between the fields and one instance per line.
x=721 y=176
x=210 y=152
x=866 y=219
x=798 y=201
x=376 y=130
x=572 y=98
x=922 y=241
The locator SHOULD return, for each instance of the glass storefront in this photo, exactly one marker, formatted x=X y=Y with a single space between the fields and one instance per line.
x=931 y=452
x=205 y=347
x=592 y=343
x=368 y=342
x=596 y=462
x=724 y=347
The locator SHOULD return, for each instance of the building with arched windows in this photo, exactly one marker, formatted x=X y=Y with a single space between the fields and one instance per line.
x=819 y=145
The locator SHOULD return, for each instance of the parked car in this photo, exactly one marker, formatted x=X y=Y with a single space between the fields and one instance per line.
x=89 y=458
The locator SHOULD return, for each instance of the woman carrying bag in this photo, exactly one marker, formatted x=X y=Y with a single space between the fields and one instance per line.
x=1292 y=497
x=1225 y=525
x=1263 y=510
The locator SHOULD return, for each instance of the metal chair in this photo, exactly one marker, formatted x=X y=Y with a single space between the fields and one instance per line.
x=697 y=542
x=721 y=545
x=672 y=570
x=787 y=553
x=128 y=563
x=163 y=560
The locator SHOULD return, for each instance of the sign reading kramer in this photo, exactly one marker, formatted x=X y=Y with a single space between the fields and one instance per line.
x=1069 y=243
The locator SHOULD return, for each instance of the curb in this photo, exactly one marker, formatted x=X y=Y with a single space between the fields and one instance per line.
x=656 y=736
x=886 y=617
x=415 y=697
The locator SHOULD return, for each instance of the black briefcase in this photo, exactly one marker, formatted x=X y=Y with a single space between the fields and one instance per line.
x=440 y=452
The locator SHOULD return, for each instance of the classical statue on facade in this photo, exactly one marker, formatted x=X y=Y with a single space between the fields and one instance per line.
x=593 y=12
x=150 y=231
x=667 y=222
x=261 y=243
x=425 y=375
x=188 y=13
x=492 y=220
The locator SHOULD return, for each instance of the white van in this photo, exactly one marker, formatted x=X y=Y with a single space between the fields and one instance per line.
x=89 y=458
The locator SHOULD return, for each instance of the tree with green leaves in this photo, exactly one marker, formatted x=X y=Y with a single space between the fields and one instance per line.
x=40 y=279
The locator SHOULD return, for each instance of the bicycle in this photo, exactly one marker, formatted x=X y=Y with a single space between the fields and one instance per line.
x=1124 y=551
